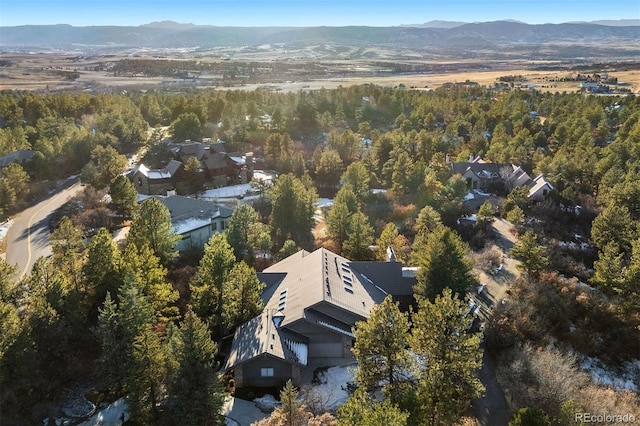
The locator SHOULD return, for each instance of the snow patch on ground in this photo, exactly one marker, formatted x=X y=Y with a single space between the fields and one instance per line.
x=468 y=197
x=324 y=202
x=4 y=228
x=332 y=389
x=626 y=379
x=110 y=416
x=267 y=403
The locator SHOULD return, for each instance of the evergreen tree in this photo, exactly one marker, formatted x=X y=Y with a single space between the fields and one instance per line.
x=187 y=127
x=428 y=220
x=123 y=195
x=146 y=376
x=362 y=410
x=390 y=237
x=614 y=224
x=381 y=348
x=113 y=359
x=102 y=269
x=67 y=244
x=359 y=238
x=193 y=381
x=152 y=226
x=357 y=176
x=292 y=209
x=208 y=285
x=246 y=233
x=485 y=215
x=532 y=256
x=242 y=295
x=449 y=356
x=288 y=248
x=142 y=266
x=338 y=221
x=443 y=264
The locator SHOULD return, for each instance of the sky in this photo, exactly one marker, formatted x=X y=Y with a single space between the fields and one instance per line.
x=308 y=12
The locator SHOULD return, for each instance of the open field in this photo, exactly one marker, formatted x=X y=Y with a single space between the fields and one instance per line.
x=56 y=72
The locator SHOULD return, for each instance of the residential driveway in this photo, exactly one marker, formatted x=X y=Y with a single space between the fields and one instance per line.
x=492 y=409
x=242 y=412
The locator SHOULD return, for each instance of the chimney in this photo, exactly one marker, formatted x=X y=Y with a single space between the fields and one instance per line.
x=447 y=159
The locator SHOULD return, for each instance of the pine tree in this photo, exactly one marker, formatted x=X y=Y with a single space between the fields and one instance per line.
x=357 y=177
x=292 y=209
x=124 y=195
x=242 y=295
x=381 y=348
x=208 y=285
x=152 y=226
x=443 y=264
x=532 y=256
x=113 y=359
x=102 y=269
x=450 y=358
x=142 y=266
x=67 y=244
x=338 y=220
x=390 y=237
x=485 y=215
x=362 y=410
x=193 y=381
x=359 y=238
x=147 y=374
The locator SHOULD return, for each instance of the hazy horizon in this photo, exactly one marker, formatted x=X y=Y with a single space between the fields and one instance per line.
x=300 y=13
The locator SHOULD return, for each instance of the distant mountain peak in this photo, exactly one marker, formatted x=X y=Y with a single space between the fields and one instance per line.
x=437 y=24
x=169 y=25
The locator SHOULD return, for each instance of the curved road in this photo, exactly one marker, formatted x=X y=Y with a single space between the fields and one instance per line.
x=28 y=237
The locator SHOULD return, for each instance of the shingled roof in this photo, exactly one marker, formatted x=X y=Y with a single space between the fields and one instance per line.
x=320 y=276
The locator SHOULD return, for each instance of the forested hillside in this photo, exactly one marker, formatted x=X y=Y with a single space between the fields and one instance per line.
x=139 y=320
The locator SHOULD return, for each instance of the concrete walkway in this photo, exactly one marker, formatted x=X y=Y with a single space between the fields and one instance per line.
x=244 y=413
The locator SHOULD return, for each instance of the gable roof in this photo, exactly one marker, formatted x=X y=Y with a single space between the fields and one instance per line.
x=166 y=173
x=260 y=336
x=188 y=213
x=539 y=183
x=320 y=276
x=477 y=166
x=387 y=276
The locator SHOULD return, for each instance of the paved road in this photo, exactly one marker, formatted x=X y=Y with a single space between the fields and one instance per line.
x=28 y=237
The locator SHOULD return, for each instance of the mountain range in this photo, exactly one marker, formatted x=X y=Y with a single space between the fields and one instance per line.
x=434 y=34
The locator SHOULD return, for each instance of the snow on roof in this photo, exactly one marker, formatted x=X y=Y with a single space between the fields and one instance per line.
x=190 y=225
x=227 y=191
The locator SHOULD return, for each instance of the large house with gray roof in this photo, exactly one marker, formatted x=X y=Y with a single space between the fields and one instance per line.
x=312 y=302
x=195 y=220
x=484 y=176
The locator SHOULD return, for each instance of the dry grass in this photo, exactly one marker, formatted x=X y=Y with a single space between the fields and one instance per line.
x=42 y=72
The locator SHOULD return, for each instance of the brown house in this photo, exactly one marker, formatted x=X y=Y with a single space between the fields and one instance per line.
x=312 y=302
x=156 y=181
x=220 y=168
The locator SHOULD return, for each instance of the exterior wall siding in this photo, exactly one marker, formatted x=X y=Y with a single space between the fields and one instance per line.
x=251 y=372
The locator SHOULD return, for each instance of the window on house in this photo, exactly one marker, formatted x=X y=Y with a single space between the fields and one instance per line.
x=266 y=372
x=544 y=192
x=214 y=226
